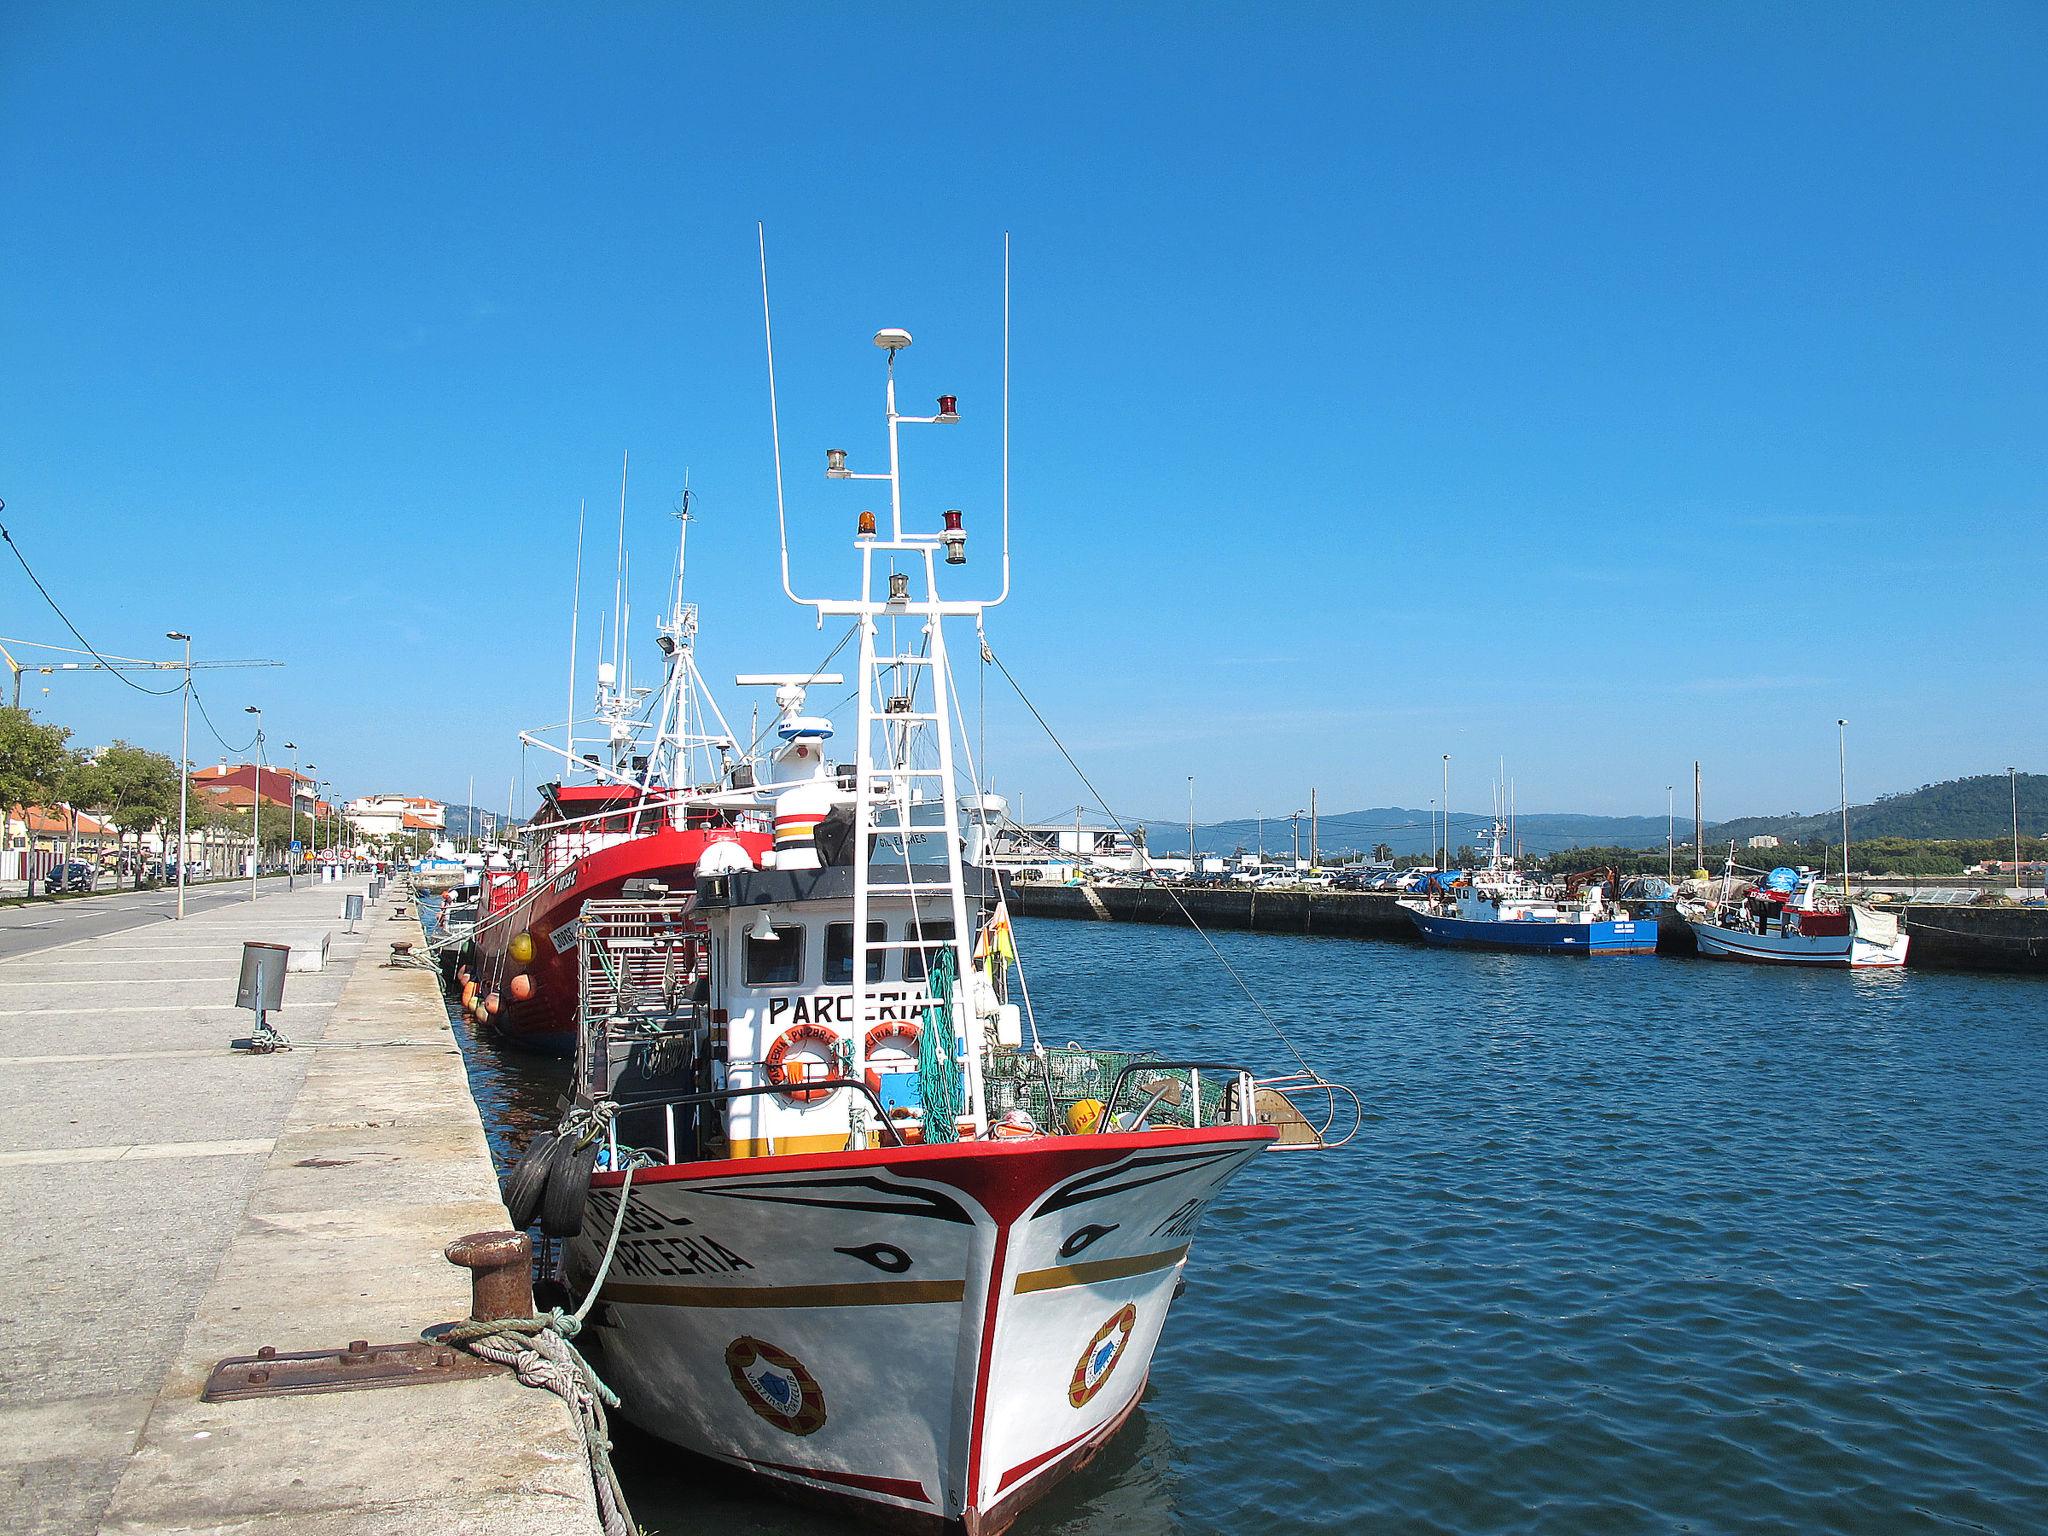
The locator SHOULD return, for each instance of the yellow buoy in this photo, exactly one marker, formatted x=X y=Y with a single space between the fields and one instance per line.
x=521 y=948
x=1083 y=1116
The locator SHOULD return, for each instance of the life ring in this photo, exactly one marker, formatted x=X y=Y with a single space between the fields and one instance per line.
x=891 y=1029
x=789 y=1040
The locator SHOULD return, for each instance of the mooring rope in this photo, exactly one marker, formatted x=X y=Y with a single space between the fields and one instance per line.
x=539 y=1352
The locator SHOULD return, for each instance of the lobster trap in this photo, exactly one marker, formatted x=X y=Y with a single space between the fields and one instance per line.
x=640 y=992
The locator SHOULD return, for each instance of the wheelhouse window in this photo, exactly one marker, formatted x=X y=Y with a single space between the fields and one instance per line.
x=839 y=953
x=776 y=962
x=916 y=962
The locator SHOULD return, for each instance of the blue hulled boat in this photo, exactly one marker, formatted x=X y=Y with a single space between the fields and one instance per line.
x=1501 y=908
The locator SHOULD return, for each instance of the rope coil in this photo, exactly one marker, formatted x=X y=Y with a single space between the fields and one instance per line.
x=539 y=1352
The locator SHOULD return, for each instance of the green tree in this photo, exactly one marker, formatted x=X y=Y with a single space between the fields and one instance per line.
x=131 y=786
x=33 y=760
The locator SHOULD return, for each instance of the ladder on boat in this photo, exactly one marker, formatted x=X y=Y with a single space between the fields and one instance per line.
x=892 y=725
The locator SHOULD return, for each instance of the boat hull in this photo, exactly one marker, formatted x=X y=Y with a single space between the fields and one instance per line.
x=1844 y=951
x=1634 y=936
x=932 y=1336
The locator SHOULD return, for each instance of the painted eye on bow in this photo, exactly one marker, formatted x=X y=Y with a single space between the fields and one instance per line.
x=886 y=1257
x=1084 y=1237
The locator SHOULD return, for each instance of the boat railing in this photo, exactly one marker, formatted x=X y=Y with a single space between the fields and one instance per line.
x=1305 y=1089
x=668 y=1103
x=1231 y=1096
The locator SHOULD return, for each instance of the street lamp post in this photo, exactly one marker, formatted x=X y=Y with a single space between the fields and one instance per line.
x=314 y=816
x=1446 y=864
x=1670 y=834
x=256 y=806
x=2012 y=777
x=184 y=761
x=1194 y=863
x=291 y=820
x=1842 y=774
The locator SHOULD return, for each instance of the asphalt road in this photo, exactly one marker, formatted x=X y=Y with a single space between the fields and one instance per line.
x=43 y=925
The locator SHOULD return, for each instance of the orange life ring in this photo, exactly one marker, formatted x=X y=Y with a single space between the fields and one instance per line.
x=888 y=1029
x=789 y=1040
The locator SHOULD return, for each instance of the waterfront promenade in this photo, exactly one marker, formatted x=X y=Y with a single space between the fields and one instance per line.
x=169 y=1201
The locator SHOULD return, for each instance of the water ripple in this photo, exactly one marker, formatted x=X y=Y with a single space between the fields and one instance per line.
x=1624 y=1246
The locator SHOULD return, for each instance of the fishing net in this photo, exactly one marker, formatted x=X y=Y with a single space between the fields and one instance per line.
x=1047 y=1086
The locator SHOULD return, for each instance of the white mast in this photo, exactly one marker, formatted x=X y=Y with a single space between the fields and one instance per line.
x=575 y=616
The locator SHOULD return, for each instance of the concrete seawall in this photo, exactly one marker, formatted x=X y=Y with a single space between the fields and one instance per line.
x=1944 y=938
x=174 y=1202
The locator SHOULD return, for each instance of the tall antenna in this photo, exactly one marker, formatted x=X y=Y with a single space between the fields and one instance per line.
x=575 y=616
x=774 y=418
x=619 y=572
x=1005 y=594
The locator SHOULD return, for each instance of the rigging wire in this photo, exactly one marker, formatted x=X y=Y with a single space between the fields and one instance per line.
x=54 y=608
x=1250 y=996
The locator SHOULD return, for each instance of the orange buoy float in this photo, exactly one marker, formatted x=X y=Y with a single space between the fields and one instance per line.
x=468 y=993
x=491 y=1003
x=774 y=1066
x=522 y=987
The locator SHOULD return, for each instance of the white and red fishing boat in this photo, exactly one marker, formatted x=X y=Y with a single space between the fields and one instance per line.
x=645 y=821
x=842 y=1221
x=1782 y=919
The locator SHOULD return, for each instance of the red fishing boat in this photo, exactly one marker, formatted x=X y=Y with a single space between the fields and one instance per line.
x=647 y=824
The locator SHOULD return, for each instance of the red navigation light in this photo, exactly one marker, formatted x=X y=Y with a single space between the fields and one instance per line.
x=947 y=408
x=955 y=539
x=867 y=525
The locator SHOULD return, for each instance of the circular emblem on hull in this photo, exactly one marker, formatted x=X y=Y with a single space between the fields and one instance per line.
x=1101 y=1356
x=776 y=1385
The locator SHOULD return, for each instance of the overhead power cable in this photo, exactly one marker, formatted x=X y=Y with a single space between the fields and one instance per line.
x=54 y=608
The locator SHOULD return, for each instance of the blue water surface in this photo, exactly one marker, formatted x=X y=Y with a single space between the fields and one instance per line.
x=1626 y=1244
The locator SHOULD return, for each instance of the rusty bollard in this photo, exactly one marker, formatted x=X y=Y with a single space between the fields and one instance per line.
x=500 y=1266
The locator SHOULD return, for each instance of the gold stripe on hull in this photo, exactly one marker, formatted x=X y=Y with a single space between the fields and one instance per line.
x=873 y=1293
x=1060 y=1276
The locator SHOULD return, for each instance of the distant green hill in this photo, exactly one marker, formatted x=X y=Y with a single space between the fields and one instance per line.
x=1980 y=806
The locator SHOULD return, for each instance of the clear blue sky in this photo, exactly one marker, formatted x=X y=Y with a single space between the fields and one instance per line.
x=1597 y=386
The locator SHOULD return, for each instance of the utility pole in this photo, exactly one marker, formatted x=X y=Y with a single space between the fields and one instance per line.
x=256 y=806
x=1194 y=860
x=2012 y=777
x=1699 y=825
x=184 y=758
x=1315 y=852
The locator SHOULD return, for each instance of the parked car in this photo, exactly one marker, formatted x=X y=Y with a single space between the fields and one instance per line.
x=75 y=876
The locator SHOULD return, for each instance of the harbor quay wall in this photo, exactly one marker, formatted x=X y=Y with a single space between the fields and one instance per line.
x=1978 y=938
x=1343 y=914
x=1944 y=938
x=171 y=1201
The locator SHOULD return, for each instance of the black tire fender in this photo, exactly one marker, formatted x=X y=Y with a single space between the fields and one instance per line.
x=561 y=1208
x=528 y=1180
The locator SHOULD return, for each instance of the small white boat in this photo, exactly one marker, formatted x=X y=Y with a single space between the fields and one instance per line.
x=1784 y=920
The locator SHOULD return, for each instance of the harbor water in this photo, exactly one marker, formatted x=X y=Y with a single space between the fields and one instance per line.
x=1630 y=1244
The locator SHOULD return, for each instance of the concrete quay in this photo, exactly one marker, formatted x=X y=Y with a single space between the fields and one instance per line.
x=169 y=1201
x=1944 y=938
